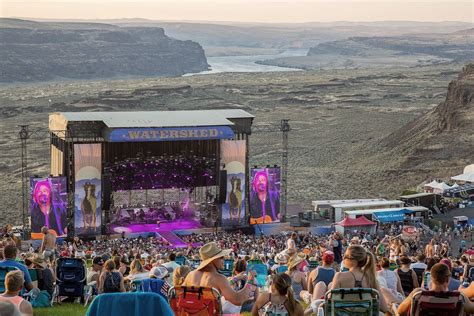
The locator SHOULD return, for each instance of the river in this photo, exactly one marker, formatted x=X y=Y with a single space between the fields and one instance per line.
x=247 y=63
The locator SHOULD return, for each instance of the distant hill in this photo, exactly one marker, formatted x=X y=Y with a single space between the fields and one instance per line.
x=457 y=46
x=38 y=51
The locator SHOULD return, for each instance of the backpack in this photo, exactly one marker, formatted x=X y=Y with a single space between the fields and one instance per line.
x=42 y=299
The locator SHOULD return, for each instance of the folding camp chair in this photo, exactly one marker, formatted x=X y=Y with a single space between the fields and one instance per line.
x=196 y=301
x=195 y=263
x=127 y=304
x=180 y=260
x=228 y=267
x=312 y=265
x=429 y=303
x=352 y=302
x=262 y=273
x=3 y=274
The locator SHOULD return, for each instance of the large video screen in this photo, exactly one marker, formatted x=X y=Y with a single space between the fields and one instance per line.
x=233 y=156
x=265 y=195
x=48 y=206
x=87 y=190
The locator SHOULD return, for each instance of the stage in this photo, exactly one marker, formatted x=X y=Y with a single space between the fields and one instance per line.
x=179 y=224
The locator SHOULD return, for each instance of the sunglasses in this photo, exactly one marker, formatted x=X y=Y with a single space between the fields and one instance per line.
x=349 y=258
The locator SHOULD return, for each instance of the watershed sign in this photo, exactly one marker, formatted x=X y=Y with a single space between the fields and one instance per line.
x=168 y=134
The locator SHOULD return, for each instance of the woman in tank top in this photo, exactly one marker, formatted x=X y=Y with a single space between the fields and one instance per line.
x=408 y=278
x=111 y=281
x=361 y=265
x=280 y=301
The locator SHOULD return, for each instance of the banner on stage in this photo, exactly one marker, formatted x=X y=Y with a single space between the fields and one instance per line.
x=233 y=156
x=48 y=206
x=87 y=189
x=168 y=134
x=265 y=195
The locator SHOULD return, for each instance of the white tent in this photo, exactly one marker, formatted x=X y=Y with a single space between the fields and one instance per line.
x=469 y=169
x=465 y=177
x=454 y=186
x=436 y=187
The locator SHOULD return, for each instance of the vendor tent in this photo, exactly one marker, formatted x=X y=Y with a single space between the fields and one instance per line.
x=356 y=224
x=359 y=221
x=465 y=177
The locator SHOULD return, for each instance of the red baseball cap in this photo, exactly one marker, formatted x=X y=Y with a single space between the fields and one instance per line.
x=328 y=256
x=447 y=262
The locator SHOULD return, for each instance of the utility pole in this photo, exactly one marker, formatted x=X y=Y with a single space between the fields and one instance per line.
x=24 y=135
x=285 y=128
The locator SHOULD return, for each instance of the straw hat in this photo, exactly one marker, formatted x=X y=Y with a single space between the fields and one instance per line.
x=281 y=258
x=296 y=260
x=209 y=252
x=39 y=260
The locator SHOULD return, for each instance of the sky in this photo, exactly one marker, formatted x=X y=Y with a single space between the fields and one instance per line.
x=267 y=11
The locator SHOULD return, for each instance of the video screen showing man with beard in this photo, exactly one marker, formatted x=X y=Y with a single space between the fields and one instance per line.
x=46 y=209
x=264 y=198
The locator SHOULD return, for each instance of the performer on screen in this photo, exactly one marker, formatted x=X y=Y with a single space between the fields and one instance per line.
x=263 y=208
x=44 y=212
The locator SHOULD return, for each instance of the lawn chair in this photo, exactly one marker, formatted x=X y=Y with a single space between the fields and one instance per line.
x=429 y=303
x=70 y=277
x=262 y=273
x=180 y=260
x=228 y=267
x=195 y=263
x=352 y=302
x=128 y=304
x=3 y=274
x=196 y=301
x=312 y=265
x=154 y=286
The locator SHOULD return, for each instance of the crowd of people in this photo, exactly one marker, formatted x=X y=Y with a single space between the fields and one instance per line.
x=301 y=267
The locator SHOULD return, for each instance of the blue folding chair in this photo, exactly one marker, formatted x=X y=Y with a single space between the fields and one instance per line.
x=180 y=260
x=262 y=273
x=195 y=263
x=127 y=304
x=154 y=286
x=3 y=274
x=228 y=267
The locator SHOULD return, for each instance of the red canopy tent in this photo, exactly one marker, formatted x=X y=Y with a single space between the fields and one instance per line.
x=359 y=221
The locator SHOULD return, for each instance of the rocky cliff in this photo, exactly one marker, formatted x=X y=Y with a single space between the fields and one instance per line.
x=33 y=51
x=445 y=135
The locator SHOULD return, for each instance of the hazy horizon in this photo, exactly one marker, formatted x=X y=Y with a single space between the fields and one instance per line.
x=257 y=11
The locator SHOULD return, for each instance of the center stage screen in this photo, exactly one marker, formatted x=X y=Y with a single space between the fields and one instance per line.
x=48 y=205
x=233 y=156
x=87 y=190
x=265 y=195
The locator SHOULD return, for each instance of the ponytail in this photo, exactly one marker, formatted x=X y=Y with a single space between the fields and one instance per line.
x=369 y=271
x=291 y=306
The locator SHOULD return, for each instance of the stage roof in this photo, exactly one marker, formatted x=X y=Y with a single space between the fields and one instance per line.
x=369 y=204
x=59 y=120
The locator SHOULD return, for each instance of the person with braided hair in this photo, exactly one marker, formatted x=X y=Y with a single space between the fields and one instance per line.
x=279 y=301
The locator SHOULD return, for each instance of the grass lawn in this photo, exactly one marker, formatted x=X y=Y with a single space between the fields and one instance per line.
x=61 y=310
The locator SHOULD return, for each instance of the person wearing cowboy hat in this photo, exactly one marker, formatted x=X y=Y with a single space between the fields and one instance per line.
x=298 y=278
x=45 y=274
x=207 y=275
x=281 y=260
